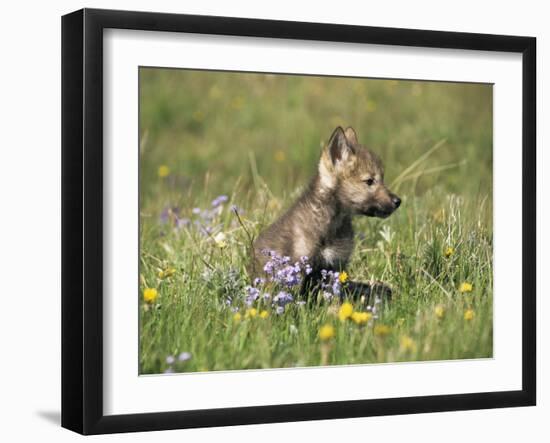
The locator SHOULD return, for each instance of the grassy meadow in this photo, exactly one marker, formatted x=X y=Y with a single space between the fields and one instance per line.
x=255 y=140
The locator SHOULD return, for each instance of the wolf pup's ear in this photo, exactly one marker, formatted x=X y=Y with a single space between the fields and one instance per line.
x=339 y=148
x=351 y=136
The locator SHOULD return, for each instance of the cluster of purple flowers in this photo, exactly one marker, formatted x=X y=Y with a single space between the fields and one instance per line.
x=171 y=215
x=281 y=277
x=279 y=270
x=252 y=294
x=171 y=361
x=280 y=301
x=330 y=284
x=202 y=219
x=219 y=201
x=282 y=273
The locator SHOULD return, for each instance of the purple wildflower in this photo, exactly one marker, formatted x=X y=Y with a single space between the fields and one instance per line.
x=170 y=359
x=330 y=283
x=167 y=213
x=184 y=356
x=281 y=275
x=304 y=260
x=283 y=298
x=280 y=270
x=219 y=200
x=269 y=267
x=164 y=216
x=205 y=230
x=182 y=222
x=252 y=295
x=289 y=276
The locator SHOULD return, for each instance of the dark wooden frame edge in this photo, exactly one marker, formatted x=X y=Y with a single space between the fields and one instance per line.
x=82 y=219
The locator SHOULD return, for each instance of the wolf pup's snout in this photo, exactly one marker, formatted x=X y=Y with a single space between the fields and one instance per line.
x=396 y=201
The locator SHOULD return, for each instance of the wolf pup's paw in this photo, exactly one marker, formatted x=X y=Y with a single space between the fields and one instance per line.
x=368 y=292
x=381 y=290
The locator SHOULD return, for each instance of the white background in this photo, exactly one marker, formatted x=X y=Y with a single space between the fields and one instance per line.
x=30 y=234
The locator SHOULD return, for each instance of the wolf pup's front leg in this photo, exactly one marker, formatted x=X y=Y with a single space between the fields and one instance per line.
x=349 y=181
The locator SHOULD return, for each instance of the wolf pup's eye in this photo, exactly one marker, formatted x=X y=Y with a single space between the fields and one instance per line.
x=369 y=181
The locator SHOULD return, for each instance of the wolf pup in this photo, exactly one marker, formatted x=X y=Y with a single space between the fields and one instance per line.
x=349 y=181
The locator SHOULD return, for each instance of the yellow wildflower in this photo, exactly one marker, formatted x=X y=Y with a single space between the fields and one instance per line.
x=264 y=314
x=343 y=277
x=279 y=155
x=150 y=295
x=407 y=344
x=215 y=92
x=274 y=204
x=168 y=272
x=465 y=287
x=361 y=317
x=449 y=251
x=198 y=116
x=237 y=103
x=370 y=105
x=250 y=313
x=469 y=314
x=345 y=311
x=237 y=317
x=164 y=171
x=381 y=330
x=439 y=311
x=326 y=332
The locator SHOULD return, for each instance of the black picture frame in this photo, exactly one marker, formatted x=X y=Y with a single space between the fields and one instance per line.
x=82 y=219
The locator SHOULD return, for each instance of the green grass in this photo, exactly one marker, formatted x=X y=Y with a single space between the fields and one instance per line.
x=257 y=139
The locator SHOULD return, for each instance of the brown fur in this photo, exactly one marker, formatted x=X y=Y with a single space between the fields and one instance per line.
x=349 y=181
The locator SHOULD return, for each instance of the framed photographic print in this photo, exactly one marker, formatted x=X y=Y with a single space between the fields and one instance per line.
x=269 y=221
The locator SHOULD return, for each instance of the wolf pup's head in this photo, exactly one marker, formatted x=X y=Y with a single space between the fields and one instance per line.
x=355 y=175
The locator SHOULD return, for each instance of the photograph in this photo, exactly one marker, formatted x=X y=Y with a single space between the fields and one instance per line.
x=292 y=221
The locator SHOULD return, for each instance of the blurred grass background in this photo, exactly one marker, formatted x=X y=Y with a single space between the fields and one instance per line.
x=257 y=138
x=201 y=122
